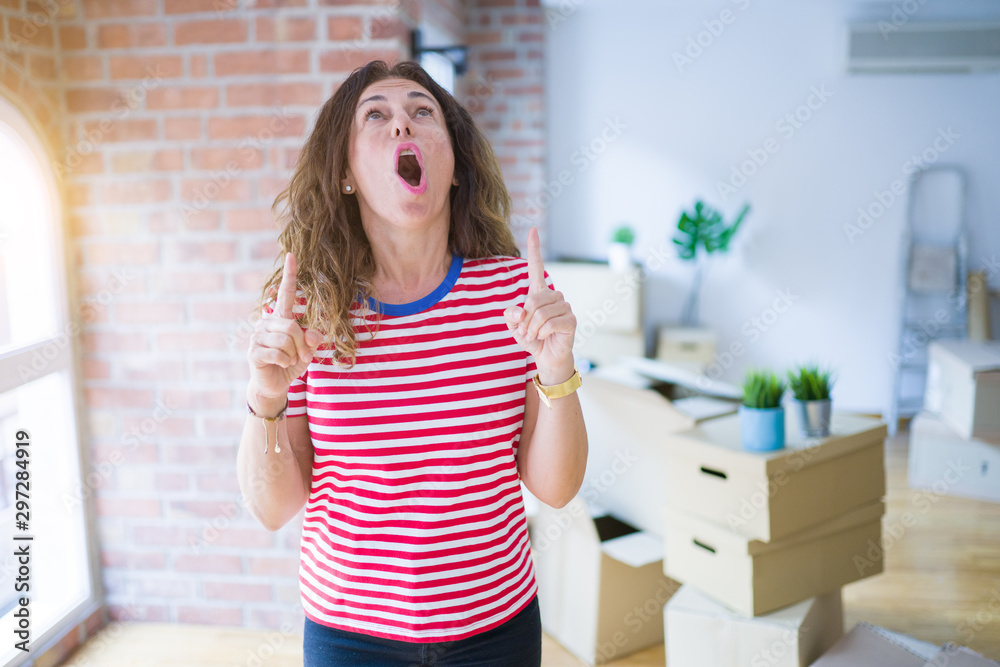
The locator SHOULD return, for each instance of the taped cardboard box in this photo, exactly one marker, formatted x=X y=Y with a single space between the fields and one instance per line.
x=941 y=460
x=699 y=631
x=601 y=583
x=629 y=423
x=754 y=577
x=963 y=386
x=867 y=644
x=768 y=496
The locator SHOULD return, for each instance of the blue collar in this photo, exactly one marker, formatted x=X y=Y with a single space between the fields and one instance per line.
x=421 y=304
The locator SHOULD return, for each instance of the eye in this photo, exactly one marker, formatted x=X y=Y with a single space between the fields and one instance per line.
x=371 y=111
x=429 y=110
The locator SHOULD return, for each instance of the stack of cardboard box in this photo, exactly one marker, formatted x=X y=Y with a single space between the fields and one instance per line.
x=955 y=440
x=599 y=559
x=763 y=541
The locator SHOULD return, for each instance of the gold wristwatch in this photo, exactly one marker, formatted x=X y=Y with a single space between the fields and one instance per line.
x=557 y=390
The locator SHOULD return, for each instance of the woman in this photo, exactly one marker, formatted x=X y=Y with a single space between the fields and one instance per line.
x=407 y=442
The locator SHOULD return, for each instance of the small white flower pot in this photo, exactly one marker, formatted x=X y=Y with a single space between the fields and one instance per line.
x=620 y=257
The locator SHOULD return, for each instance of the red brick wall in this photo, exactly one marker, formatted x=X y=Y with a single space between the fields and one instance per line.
x=192 y=114
x=505 y=90
x=175 y=123
x=29 y=68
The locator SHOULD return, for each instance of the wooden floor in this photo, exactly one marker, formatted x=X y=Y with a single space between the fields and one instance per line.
x=941 y=583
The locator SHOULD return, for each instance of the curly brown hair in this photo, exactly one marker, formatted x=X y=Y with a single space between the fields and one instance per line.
x=322 y=227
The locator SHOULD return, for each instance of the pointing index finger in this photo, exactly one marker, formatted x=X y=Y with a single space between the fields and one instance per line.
x=286 y=291
x=536 y=271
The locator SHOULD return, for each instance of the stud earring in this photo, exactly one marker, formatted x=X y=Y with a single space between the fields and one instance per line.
x=347 y=188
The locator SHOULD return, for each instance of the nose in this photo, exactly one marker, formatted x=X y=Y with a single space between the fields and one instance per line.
x=401 y=124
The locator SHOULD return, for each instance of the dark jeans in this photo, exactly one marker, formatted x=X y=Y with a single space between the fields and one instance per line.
x=516 y=643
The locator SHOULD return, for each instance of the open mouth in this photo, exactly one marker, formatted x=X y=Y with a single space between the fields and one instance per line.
x=408 y=168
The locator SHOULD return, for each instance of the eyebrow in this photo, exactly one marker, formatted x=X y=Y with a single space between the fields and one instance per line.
x=381 y=98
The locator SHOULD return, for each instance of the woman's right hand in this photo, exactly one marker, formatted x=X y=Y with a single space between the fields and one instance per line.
x=279 y=350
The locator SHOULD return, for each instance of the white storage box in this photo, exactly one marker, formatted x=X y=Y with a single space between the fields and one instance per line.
x=602 y=300
x=963 y=386
x=754 y=577
x=771 y=495
x=699 y=631
x=948 y=464
x=686 y=344
x=601 y=582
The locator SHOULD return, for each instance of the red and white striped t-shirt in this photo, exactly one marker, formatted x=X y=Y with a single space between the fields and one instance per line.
x=415 y=527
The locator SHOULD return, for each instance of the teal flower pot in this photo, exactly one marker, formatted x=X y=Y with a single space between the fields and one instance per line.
x=762 y=429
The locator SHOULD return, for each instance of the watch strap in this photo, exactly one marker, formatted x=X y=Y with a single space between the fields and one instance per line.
x=547 y=393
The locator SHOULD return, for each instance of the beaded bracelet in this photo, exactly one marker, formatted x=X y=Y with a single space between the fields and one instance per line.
x=279 y=417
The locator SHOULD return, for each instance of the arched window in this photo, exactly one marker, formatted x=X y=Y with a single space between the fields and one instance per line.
x=42 y=499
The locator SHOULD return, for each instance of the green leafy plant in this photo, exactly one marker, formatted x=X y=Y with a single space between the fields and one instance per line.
x=623 y=234
x=762 y=389
x=810 y=383
x=703 y=229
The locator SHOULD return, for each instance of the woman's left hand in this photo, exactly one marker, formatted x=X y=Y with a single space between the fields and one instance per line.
x=544 y=325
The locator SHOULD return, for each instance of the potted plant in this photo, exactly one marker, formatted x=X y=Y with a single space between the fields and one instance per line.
x=811 y=387
x=762 y=417
x=620 y=249
x=705 y=229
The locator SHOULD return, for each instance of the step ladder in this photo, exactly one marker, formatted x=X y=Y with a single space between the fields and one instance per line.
x=932 y=282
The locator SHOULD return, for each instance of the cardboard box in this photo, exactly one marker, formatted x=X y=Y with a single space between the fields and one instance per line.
x=602 y=300
x=771 y=495
x=963 y=386
x=754 y=577
x=604 y=348
x=942 y=460
x=601 y=583
x=686 y=344
x=628 y=429
x=699 y=631
x=959 y=656
x=870 y=645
